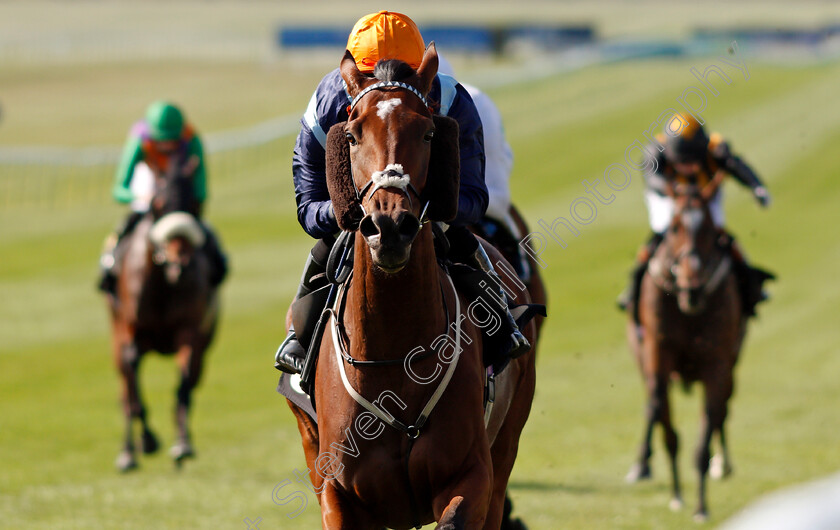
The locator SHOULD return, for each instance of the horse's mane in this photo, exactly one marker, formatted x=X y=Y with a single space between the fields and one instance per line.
x=392 y=70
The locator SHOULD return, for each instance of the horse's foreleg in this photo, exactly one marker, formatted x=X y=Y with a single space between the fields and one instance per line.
x=128 y=363
x=721 y=465
x=672 y=444
x=189 y=359
x=465 y=505
x=337 y=513
x=504 y=450
x=717 y=394
x=657 y=395
x=149 y=441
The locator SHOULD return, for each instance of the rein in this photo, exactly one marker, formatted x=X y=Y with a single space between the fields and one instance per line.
x=412 y=431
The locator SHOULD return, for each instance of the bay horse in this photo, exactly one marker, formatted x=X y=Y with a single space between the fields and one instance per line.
x=392 y=449
x=165 y=302
x=691 y=328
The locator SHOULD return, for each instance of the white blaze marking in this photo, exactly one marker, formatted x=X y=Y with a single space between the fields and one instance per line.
x=383 y=180
x=385 y=107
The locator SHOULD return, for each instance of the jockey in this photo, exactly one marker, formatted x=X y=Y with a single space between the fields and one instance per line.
x=498 y=165
x=155 y=144
x=384 y=35
x=691 y=156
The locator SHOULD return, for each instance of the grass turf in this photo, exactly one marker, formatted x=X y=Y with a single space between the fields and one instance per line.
x=59 y=422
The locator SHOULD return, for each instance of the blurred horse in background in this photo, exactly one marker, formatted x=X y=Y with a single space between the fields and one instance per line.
x=691 y=327
x=165 y=302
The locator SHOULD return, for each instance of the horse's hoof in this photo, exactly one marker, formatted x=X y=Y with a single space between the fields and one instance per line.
x=637 y=472
x=676 y=504
x=126 y=462
x=180 y=452
x=701 y=516
x=149 y=443
x=719 y=468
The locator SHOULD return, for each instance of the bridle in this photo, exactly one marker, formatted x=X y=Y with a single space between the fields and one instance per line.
x=368 y=190
x=386 y=84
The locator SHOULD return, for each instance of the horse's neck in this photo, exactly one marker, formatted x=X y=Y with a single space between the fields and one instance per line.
x=389 y=315
x=666 y=254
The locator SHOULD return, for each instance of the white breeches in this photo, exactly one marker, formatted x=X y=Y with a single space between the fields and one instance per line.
x=661 y=210
x=142 y=187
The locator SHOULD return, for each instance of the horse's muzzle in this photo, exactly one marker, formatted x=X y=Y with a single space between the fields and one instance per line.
x=390 y=237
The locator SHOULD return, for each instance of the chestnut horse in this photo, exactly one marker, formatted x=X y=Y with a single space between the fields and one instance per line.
x=691 y=328
x=401 y=438
x=164 y=302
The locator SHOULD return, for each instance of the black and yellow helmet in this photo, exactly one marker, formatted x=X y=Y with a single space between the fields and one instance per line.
x=690 y=144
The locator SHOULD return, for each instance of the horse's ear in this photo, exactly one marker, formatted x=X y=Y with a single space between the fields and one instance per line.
x=428 y=68
x=348 y=210
x=444 y=174
x=351 y=74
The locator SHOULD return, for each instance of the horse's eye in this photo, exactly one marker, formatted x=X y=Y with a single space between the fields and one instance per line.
x=428 y=136
x=350 y=138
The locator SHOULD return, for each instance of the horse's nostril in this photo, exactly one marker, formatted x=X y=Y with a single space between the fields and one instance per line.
x=409 y=225
x=368 y=228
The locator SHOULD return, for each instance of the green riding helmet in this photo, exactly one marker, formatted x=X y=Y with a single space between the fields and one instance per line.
x=165 y=121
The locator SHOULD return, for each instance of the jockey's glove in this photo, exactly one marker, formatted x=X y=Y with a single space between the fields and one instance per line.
x=762 y=196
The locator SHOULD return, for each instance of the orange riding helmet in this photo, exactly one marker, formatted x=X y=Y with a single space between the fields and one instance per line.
x=385 y=35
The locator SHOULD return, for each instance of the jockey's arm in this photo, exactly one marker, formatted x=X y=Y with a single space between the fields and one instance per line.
x=314 y=208
x=200 y=173
x=326 y=108
x=132 y=154
x=472 y=195
x=739 y=169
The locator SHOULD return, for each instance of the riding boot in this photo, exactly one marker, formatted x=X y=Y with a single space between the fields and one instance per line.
x=750 y=279
x=107 y=261
x=218 y=259
x=291 y=353
x=630 y=294
x=519 y=345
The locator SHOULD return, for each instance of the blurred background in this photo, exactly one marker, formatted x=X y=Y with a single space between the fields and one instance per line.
x=576 y=83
